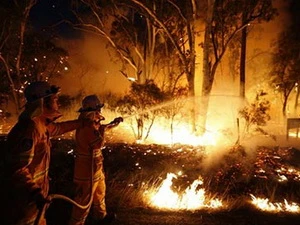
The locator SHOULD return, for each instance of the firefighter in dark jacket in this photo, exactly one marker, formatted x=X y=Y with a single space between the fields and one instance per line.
x=27 y=155
x=89 y=178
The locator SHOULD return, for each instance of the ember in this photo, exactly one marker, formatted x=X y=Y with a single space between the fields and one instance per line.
x=273 y=165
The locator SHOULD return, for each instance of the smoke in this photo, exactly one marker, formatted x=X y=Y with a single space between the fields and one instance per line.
x=92 y=68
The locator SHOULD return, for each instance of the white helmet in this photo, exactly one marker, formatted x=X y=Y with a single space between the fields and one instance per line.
x=91 y=103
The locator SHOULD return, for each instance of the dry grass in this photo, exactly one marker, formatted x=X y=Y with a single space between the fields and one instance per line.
x=133 y=169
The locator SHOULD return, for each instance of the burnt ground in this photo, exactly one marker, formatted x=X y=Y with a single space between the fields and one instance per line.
x=128 y=167
x=144 y=216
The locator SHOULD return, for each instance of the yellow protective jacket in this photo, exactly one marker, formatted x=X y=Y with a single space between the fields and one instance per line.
x=28 y=159
x=89 y=141
x=89 y=177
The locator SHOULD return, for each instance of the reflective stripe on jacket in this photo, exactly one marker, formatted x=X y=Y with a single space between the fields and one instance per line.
x=89 y=142
x=28 y=159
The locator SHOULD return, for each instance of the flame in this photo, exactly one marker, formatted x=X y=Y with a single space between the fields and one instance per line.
x=192 y=198
x=264 y=204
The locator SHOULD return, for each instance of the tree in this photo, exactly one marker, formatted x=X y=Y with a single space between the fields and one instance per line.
x=177 y=100
x=121 y=27
x=140 y=104
x=150 y=37
x=185 y=45
x=26 y=55
x=223 y=22
x=285 y=73
x=256 y=114
x=134 y=38
x=258 y=10
x=13 y=27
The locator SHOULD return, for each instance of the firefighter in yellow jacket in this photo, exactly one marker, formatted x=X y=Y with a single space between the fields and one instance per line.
x=89 y=178
x=28 y=155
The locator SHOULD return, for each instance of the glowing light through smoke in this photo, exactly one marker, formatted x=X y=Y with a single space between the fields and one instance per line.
x=182 y=135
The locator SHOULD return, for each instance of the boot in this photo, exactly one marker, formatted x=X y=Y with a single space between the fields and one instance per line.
x=109 y=218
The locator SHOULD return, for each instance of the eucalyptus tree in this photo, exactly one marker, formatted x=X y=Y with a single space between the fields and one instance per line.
x=154 y=40
x=118 y=25
x=172 y=23
x=224 y=21
x=285 y=73
x=136 y=104
x=26 y=55
x=134 y=39
x=256 y=11
x=13 y=27
x=183 y=40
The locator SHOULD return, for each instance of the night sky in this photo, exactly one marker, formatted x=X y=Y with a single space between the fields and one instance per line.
x=50 y=16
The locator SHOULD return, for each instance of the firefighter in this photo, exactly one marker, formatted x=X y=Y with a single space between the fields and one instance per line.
x=27 y=155
x=88 y=168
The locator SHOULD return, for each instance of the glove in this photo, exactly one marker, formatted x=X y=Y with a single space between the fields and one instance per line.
x=118 y=120
x=40 y=200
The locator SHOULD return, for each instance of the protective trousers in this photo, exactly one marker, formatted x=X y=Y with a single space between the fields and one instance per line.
x=19 y=214
x=88 y=169
x=30 y=216
x=83 y=195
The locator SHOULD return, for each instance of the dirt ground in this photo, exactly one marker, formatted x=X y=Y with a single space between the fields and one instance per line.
x=144 y=216
x=124 y=157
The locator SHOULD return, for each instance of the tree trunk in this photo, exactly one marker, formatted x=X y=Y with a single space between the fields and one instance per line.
x=23 y=27
x=191 y=75
x=206 y=66
x=284 y=107
x=243 y=60
x=191 y=82
x=296 y=100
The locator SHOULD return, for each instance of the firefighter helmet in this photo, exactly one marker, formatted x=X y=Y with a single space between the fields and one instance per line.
x=39 y=89
x=91 y=103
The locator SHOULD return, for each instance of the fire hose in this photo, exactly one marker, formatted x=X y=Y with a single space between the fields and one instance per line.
x=50 y=197
x=63 y=197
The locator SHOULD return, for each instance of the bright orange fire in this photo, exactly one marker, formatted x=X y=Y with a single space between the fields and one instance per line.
x=264 y=204
x=192 y=198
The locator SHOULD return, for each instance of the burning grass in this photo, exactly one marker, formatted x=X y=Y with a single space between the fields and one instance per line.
x=147 y=180
x=192 y=198
x=174 y=178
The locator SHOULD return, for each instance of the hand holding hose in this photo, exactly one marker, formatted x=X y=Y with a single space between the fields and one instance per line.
x=42 y=204
x=114 y=123
x=41 y=201
x=118 y=120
